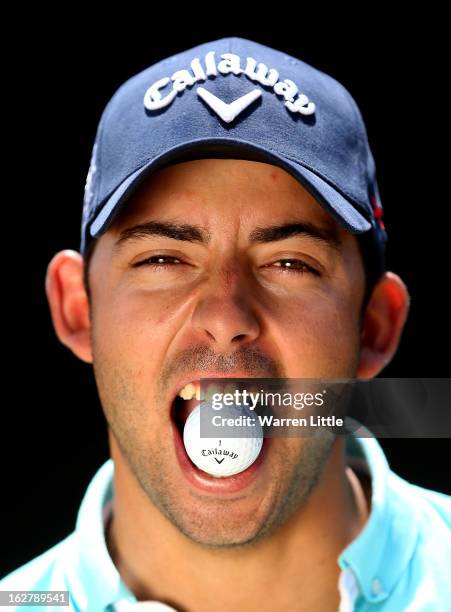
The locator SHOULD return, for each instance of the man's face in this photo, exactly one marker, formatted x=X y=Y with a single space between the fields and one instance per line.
x=220 y=299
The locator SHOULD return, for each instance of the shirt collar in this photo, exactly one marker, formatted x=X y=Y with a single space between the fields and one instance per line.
x=384 y=547
x=95 y=581
x=378 y=556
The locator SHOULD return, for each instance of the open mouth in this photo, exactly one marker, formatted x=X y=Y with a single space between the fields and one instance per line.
x=183 y=404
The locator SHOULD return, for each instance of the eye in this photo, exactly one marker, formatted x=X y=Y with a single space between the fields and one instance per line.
x=294 y=266
x=158 y=261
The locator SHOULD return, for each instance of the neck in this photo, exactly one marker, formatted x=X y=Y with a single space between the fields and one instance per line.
x=297 y=564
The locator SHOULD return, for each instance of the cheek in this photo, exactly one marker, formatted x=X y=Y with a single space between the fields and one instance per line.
x=130 y=333
x=135 y=325
x=318 y=335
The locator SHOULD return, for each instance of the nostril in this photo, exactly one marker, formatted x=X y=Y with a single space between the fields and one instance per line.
x=239 y=337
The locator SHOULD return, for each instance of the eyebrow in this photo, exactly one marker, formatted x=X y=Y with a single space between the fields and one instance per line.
x=274 y=233
x=176 y=231
x=198 y=234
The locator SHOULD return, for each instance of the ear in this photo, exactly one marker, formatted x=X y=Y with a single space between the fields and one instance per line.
x=383 y=323
x=69 y=306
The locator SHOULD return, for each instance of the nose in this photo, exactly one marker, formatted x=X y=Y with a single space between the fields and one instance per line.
x=225 y=314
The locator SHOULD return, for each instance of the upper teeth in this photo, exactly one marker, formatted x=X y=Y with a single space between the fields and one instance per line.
x=190 y=390
x=193 y=389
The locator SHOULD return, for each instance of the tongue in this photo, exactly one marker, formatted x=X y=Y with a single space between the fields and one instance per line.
x=186 y=408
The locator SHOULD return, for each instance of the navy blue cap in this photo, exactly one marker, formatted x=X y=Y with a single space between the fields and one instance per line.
x=236 y=98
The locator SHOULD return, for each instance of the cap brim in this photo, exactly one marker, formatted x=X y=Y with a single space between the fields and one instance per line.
x=343 y=210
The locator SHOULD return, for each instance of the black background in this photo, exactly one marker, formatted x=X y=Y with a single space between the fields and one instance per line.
x=64 y=71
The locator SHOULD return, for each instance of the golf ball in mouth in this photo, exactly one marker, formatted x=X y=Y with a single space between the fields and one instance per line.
x=223 y=457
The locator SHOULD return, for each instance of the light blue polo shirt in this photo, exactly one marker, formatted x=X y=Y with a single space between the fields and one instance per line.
x=400 y=561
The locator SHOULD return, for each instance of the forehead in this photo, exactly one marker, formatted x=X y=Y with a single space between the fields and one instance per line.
x=222 y=189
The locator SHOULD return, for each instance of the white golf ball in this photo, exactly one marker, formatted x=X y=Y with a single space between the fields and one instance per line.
x=223 y=457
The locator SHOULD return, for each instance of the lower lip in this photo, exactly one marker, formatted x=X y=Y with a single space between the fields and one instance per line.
x=207 y=483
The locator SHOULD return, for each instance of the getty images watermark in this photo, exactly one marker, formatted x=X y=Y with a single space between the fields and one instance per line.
x=246 y=402
x=382 y=407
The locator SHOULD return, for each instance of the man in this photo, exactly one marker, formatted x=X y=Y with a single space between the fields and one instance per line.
x=232 y=227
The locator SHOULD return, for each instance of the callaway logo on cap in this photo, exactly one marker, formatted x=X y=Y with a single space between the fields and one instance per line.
x=239 y=99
